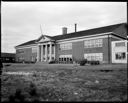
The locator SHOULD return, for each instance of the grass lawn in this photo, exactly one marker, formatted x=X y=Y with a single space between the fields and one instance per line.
x=61 y=82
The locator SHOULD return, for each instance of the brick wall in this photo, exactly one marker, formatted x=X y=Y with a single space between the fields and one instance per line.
x=57 y=50
x=27 y=54
x=78 y=50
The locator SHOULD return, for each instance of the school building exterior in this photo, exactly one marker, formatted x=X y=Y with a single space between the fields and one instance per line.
x=92 y=44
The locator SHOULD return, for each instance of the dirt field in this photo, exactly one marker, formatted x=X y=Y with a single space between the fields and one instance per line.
x=61 y=82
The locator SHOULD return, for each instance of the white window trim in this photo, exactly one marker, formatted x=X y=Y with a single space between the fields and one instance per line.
x=94 y=55
x=34 y=49
x=93 y=43
x=66 y=46
x=65 y=56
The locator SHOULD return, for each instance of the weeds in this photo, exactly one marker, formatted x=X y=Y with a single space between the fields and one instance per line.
x=67 y=85
x=17 y=97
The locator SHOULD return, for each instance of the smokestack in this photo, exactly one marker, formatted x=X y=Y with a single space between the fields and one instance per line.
x=64 y=30
x=75 y=27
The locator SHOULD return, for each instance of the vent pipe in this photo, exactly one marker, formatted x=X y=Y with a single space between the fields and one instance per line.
x=75 y=27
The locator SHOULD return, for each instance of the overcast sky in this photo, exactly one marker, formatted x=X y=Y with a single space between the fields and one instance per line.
x=21 y=20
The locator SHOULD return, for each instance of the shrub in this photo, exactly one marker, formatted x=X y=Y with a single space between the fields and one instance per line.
x=7 y=65
x=52 y=62
x=83 y=62
x=94 y=62
x=27 y=62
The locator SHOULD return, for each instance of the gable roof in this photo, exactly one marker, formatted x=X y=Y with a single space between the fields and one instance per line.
x=88 y=32
x=27 y=43
x=42 y=36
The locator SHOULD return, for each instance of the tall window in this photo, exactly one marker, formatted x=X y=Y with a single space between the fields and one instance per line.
x=65 y=58
x=93 y=43
x=66 y=46
x=34 y=49
x=20 y=51
x=120 y=55
x=94 y=56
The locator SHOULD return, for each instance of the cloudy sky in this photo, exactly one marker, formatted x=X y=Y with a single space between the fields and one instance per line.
x=21 y=20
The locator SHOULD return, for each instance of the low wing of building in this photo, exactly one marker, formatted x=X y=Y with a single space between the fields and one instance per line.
x=8 y=57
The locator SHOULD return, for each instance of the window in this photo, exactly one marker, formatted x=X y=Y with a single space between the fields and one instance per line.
x=20 y=51
x=93 y=43
x=66 y=46
x=120 y=44
x=67 y=59
x=120 y=55
x=64 y=59
x=52 y=49
x=21 y=58
x=94 y=56
x=34 y=49
x=70 y=59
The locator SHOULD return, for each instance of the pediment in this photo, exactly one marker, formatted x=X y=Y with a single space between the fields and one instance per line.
x=44 y=38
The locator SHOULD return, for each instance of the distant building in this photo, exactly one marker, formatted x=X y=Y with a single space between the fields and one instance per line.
x=92 y=44
x=8 y=57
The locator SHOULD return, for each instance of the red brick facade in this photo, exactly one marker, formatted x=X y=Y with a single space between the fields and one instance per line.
x=78 y=49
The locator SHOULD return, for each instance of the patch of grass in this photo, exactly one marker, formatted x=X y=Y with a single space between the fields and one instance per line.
x=62 y=84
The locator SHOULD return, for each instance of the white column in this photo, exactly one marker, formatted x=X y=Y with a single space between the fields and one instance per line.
x=46 y=52
x=37 y=53
x=54 y=51
x=50 y=51
x=41 y=52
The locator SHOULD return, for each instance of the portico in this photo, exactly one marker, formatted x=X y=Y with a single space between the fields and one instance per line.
x=45 y=49
x=46 y=52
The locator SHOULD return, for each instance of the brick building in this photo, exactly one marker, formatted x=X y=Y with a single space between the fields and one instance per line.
x=92 y=44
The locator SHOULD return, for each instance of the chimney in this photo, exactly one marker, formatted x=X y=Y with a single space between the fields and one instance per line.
x=64 y=30
x=75 y=27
